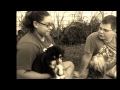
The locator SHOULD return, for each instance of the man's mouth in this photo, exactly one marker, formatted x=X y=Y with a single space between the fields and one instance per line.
x=101 y=35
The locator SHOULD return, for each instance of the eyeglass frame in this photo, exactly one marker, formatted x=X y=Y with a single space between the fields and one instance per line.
x=104 y=30
x=47 y=25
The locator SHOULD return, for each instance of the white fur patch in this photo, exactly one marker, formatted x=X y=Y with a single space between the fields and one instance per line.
x=44 y=49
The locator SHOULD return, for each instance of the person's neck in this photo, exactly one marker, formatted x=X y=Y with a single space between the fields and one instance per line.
x=42 y=38
x=109 y=40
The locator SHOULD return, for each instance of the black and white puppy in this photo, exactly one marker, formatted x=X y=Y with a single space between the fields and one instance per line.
x=49 y=61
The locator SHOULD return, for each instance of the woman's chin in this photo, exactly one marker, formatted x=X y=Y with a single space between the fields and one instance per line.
x=48 y=33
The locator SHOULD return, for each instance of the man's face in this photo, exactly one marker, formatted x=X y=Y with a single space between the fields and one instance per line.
x=105 y=32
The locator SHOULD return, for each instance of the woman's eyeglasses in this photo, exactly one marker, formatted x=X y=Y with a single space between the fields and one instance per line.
x=48 y=25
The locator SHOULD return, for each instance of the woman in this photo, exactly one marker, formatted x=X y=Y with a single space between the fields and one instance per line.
x=39 y=24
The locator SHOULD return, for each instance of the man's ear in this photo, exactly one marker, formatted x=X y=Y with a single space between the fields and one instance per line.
x=35 y=24
x=115 y=30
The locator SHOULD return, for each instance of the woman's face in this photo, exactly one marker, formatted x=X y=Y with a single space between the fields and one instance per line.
x=44 y=27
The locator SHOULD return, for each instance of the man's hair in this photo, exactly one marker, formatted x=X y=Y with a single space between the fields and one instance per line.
x=110 y=19
x=31 y=16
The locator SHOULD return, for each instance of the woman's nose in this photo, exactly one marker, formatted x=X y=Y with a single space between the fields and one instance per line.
x=50 y=27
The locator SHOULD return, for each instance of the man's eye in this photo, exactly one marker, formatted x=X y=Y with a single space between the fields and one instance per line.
x=105 y=30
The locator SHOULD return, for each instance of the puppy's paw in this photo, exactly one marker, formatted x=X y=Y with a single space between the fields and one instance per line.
x=60 y=69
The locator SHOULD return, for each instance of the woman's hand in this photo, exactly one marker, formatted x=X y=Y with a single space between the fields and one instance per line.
x=60 y=77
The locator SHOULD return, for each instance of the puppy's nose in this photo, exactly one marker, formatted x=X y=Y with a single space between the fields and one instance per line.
x=57 y=61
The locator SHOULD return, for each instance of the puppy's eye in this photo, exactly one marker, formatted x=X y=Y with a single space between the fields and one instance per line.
x=54 y=57
x=60 y=56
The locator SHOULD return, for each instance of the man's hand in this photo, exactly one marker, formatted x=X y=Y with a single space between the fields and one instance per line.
x=80 y=75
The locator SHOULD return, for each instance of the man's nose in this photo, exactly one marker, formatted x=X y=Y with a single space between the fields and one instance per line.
x=101 y=31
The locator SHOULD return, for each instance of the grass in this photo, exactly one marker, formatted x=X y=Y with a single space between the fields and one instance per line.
x=74 y=53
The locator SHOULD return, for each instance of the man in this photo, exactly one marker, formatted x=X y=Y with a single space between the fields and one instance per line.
x=95 y=42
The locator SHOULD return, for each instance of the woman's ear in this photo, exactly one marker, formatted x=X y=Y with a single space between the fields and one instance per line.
x=35 y=24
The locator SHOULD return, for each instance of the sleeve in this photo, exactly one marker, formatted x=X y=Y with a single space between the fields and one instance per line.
x=26 y=53
x=89 y=45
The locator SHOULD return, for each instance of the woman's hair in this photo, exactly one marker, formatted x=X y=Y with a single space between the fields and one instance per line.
x=31 y=16
x=110 y=19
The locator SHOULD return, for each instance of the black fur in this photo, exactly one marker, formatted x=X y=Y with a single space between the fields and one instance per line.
x=94 y=74
x=42 y=62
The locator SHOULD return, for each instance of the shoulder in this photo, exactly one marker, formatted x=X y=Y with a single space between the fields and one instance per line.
x=27 y=43
x=29 y=39
x=93 y=36
x=27 y=47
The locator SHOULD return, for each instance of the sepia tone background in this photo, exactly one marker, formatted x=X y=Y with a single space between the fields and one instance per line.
x=70 y=31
